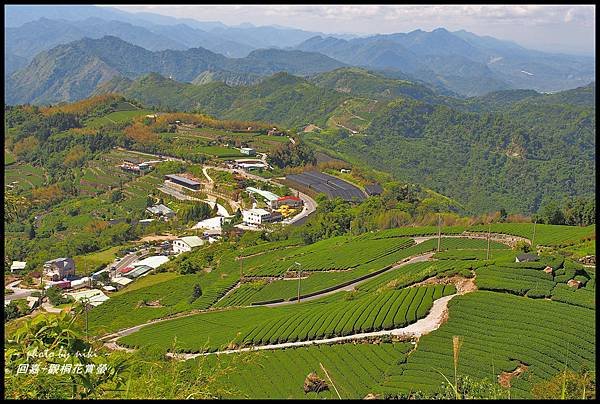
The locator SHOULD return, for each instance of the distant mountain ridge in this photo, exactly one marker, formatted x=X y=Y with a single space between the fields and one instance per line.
x=72 y=71
x=464 y=62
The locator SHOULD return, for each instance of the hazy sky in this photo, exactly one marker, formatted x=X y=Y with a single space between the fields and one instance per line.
x=568 y=29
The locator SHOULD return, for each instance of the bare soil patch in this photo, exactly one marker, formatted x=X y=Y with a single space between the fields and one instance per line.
x=505 y=377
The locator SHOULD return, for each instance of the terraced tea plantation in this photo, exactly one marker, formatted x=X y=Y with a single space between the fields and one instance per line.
x=306 y=321
x=354 y=369
x=385 y=294
x=497 y=337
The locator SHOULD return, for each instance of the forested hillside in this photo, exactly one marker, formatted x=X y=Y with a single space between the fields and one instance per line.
x=518 y=158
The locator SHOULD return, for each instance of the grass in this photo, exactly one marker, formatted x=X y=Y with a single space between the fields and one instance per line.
x=86 y=264
x=9 y=158
x=25 y=175
x=116 y=117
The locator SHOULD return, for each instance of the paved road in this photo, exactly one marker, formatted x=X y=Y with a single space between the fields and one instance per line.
x=18 y=292
x=310 y=204
x=352 y=286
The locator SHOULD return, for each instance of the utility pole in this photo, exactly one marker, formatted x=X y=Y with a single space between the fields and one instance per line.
x=487 y=255
x=241 y=267
x=299 y=278
x=439 y=234
x=533 y=238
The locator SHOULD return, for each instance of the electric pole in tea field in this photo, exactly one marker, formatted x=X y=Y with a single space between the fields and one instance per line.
x=533 y=238
x=487 y=255
x=439 y=233
x=299 y=278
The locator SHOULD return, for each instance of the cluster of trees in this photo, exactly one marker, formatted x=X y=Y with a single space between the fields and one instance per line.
x=482 y=159
x=196 y=212
x=573 y=212
x=292 y=155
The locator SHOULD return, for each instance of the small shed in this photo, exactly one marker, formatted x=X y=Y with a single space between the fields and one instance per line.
x=548 y=270
x=574 y=283
x=18 y=266
x=373 y=189
x=526 y=257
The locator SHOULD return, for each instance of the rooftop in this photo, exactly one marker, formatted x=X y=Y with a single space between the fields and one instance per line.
x=258 y=211
x=289 y=198
x=182 y=179
x=192 y=241
x=160 y=209
x=154 y=261
x=18 y=265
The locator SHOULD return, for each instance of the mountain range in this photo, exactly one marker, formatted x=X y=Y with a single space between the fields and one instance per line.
x=55 y=54
x=73 y=71
x=461 y=61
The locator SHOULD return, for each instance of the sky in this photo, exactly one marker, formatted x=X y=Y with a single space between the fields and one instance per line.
x=565 y=29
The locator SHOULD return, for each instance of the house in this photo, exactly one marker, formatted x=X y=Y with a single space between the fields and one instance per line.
x=121 y=281
x=269 y=196
x=526 y=257
x=373 y=189
x=59 y=268
x=291 y=201
x=80 y=283
x=260 y=216
x=161 y=210
x=185 y=244
x=248 y=151
x=18 y=266
x=94 y=297
x=274 y=132
x=574 y=283
x=183 y=182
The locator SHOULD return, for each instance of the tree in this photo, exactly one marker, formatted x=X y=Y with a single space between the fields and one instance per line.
x=116 y=196
x=196 y=293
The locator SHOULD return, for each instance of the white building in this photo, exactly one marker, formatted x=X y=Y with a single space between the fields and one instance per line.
x=256 y=216
x=95 y=296
x=248 y=151
x=185 y=244
x=18 y=266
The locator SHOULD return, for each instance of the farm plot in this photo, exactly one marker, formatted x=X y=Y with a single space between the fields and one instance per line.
x=9 y=158
x=325 y=278
x=23 y=177
x=584 y=297
x=174 y=295
x=354 y=369
x=520 y=281
x=116 y=117
x=497 y=336
x=545 y=234
x=305 y=321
